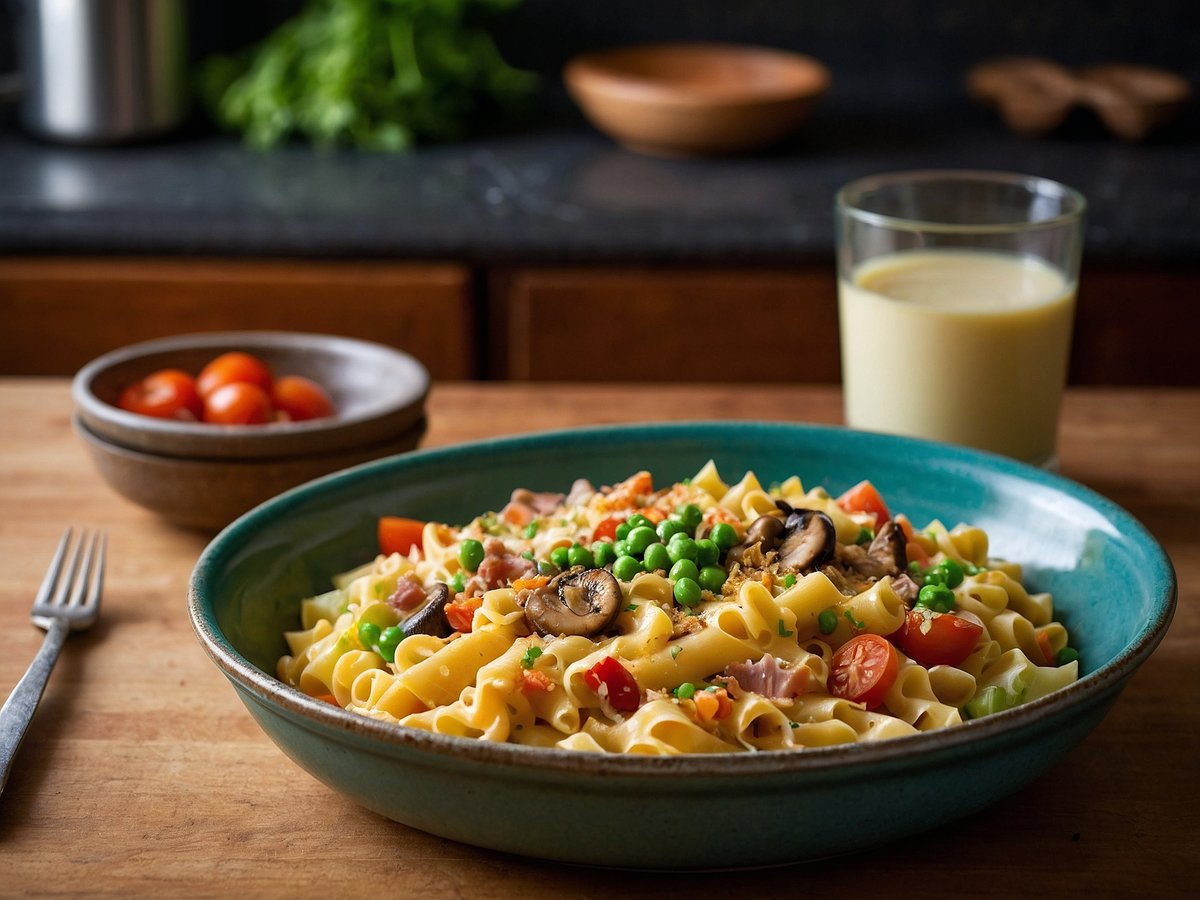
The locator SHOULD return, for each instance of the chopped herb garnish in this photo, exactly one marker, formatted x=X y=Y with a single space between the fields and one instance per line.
x=530 y=656
x=853 y=621
x=686 y=481
x=528 y=554
x=380 y=589
x=865 y=536
x=531 y=529
x=632 y=607
x=675 y=651
x=783 y=631
x=794 y=724
x=789 y=580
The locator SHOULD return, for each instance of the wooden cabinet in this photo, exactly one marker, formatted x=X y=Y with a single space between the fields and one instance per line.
x=56 y=314
x=627 y=324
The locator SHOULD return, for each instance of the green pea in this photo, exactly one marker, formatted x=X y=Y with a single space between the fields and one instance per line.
x=656 y=557
x=626 y=568
x=561 y=557
x=685 y=568
x=1065 y=655
x=458 y=583
x=668 y=528
x=531 y=529
x=723 y=535
x=712 y=579
x=621 y=548
x=470 y=554
x=640 y=538
x=691 y=516
x=368 y=634
x=545 y=567
x=937 y=597
x=580 y=556
x=388 y=640
x=637 y=520
x=687 y=592
x=623 y=531
x=685 y=691
x=789 y=580
x=603 y=553
x=682 y=547
x=827 y=621
x=914 y=569
x=952 y=572
x=707 y=552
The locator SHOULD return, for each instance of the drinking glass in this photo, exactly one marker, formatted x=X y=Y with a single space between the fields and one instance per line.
x=956 y=299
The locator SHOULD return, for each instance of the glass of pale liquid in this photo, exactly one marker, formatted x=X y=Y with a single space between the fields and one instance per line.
x=956 y=297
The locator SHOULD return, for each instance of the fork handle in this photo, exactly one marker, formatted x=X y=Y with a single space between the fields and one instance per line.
x=18 y=709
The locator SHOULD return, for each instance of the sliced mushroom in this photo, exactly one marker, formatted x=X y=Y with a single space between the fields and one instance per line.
x=580 y=602
x=431 y=617
x=764 y=531
x=809 y=540
x=888 y=551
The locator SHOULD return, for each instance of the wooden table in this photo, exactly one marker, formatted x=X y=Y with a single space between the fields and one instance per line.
x=143 y=773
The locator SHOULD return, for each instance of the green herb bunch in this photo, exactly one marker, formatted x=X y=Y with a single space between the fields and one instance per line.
x=372 y=74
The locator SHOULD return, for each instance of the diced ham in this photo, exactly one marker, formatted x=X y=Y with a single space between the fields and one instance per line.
x=409 y=594
x=770 y=678
x=499 y=567
x=542 y=504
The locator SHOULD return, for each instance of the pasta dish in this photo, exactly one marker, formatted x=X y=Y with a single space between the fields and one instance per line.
x=698 y=617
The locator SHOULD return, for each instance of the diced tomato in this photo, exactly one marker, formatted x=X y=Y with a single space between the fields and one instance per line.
x=611 y=680
x=865 y=499
x=937 y=639
x=607 y=529
x=460 y=613
x=532 y=681
x=863 y=670
x=399 y=535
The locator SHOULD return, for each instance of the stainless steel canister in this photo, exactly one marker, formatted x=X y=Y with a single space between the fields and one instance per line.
x=102 y=71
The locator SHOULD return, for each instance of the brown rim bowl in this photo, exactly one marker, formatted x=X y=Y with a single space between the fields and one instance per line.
x=696 y=99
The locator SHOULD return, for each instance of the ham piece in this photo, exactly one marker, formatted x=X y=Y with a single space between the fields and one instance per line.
x=770 y=678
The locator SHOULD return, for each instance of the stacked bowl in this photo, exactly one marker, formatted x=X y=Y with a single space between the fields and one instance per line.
x=201 y=475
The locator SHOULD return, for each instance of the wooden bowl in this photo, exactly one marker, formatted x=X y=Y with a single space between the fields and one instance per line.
x=696 y=99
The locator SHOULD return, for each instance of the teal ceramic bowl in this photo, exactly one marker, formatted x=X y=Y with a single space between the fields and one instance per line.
x=1114 y=589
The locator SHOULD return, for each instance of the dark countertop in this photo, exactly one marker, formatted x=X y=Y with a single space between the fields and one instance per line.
x=564 y=193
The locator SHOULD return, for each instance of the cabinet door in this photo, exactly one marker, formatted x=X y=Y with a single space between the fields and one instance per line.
x=56 y=314
x=721 y=325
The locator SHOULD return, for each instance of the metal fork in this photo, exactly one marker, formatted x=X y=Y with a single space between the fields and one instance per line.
x=68 y=600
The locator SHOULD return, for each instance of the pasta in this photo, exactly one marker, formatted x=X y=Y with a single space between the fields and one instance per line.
x=703 y=617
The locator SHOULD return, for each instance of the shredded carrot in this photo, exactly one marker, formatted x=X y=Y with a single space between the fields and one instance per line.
x=653 y=513
x=715 y=514
x=460 y=613
x=532 y=680
x=1043 y=641
x=767 y=580
x=327 y=698
x=712 y=705
x=531 y=583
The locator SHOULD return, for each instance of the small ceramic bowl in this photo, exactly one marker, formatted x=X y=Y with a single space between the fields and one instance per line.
x=1113 y=588
x=696 y=99
x=204 y=476
x=379 y=393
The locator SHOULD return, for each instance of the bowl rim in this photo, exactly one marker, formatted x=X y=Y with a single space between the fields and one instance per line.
x=592 y=72
x=249 y=340
x=1010 y=725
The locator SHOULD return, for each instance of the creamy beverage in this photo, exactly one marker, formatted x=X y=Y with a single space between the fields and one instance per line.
x=964 y=346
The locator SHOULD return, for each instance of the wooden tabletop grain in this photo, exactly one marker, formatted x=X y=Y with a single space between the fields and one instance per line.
x=142 y=772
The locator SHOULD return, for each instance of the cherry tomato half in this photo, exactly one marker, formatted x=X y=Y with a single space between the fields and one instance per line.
x=234 y=368
x=937 y=639
x=607 y=529
x=165 y=394
x=300 y=398
x=612 y=680
x=399 y=535
x=239 y=403
x=863 y=670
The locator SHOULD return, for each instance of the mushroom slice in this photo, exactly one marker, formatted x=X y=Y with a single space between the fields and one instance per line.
x=431 y=617
x=889 y=549
x=582 y=602
x=764 y=531
x=809 y=540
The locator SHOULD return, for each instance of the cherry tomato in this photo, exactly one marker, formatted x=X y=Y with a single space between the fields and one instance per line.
x=864 y=498
x=300 y=398
x=165 y=394
x=399 y=535
x=612 y=680
x=233 y=368
x=937 y=639
x=239 y=403
x=863 y=670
